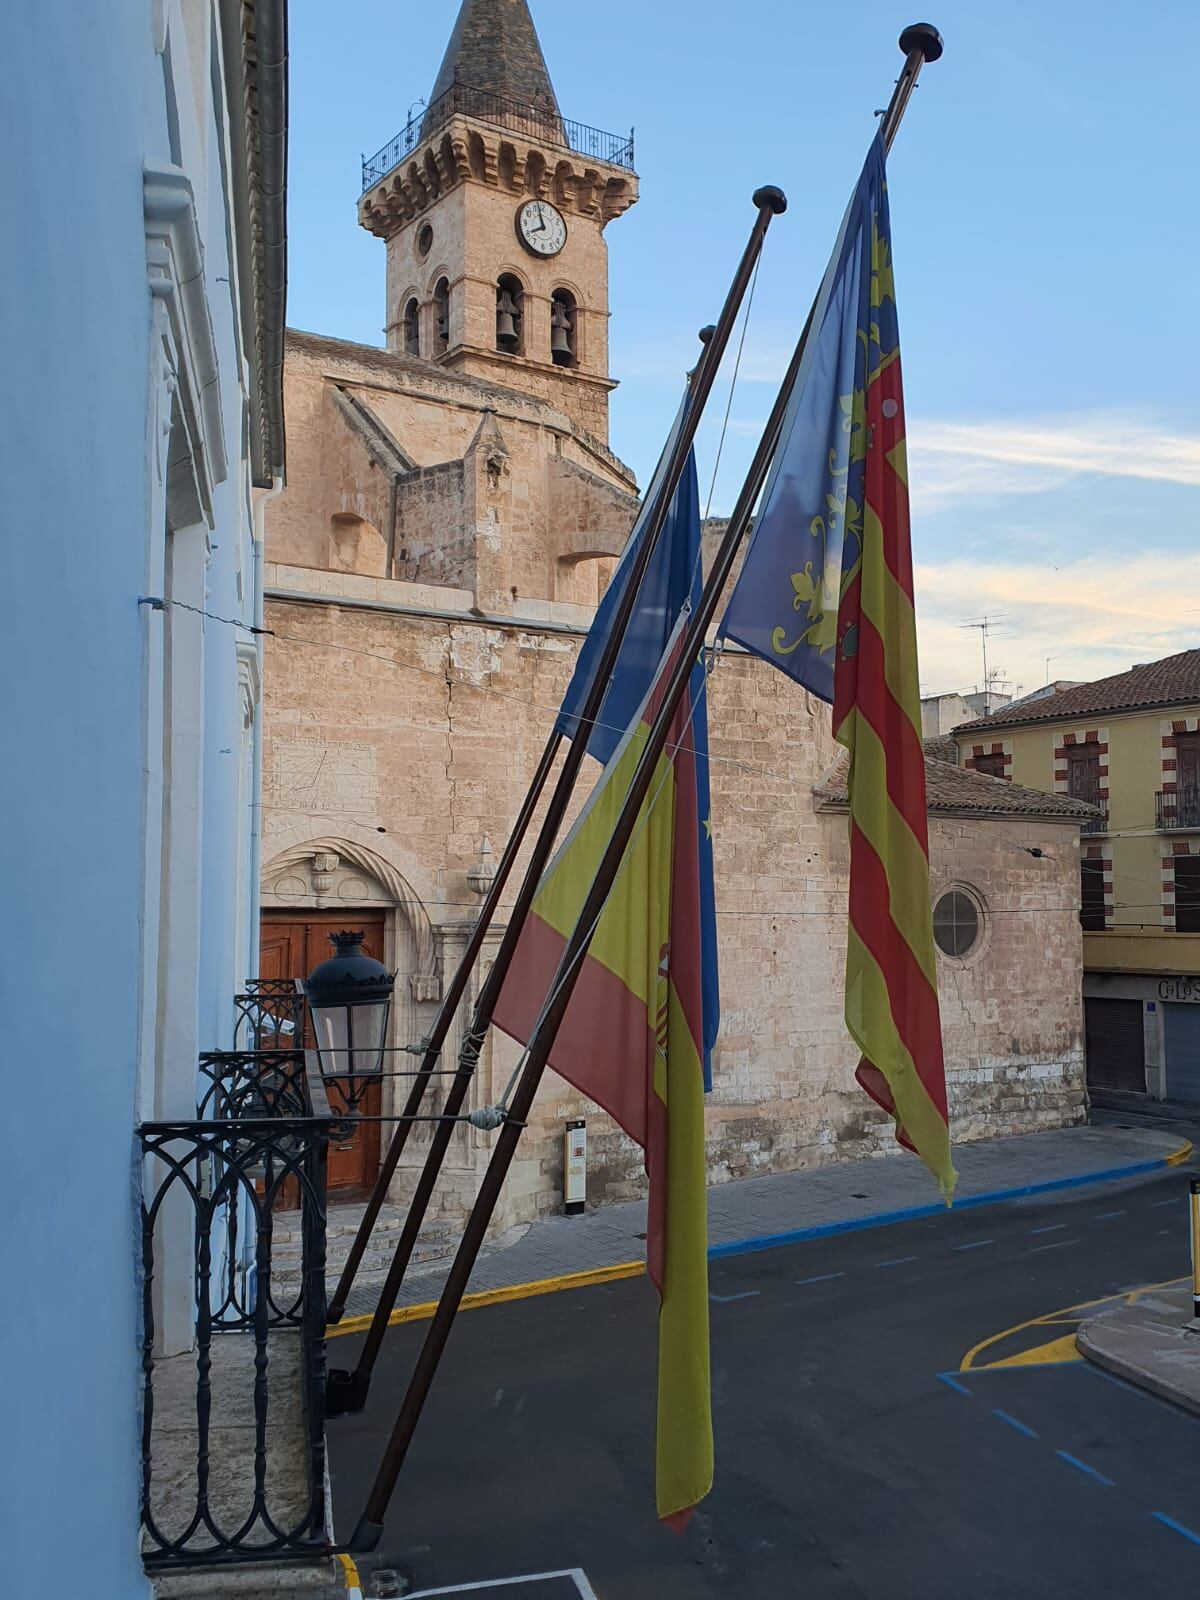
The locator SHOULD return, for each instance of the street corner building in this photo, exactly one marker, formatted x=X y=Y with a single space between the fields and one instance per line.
x=452 y=515
x=1129 y=747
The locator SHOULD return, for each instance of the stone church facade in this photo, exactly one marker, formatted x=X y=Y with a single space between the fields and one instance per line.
x=452 y=514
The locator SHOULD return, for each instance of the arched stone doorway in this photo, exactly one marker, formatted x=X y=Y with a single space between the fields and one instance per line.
x=309 y=889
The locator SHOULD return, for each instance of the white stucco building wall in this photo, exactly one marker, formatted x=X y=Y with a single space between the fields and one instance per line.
x=129 y=325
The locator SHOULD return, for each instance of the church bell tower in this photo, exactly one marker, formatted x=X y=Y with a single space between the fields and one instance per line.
x=493 y=207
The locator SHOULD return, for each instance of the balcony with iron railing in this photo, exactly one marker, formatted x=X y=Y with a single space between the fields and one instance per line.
x=1098 y=823
x=1177 y=808
x=541 y=124
x=233 y=1342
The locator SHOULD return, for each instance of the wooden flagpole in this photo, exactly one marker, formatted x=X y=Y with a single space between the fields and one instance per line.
x=347 y=1392
x=920 y=43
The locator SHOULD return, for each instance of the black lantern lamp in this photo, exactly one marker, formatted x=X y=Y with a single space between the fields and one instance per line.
x=349 y=997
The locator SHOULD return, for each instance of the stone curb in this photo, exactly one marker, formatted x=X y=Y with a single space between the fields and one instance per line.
x=1095 y=1342
x=322 y=1580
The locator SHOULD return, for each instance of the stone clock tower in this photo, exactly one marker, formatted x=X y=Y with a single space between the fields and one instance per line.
x=493 y=207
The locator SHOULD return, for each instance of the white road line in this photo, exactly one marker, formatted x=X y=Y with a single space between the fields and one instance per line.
x=576 y=1574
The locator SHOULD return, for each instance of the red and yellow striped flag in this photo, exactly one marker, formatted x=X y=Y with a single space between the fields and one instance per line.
x=826 y=595
x=891 y=970
x=632 y=1041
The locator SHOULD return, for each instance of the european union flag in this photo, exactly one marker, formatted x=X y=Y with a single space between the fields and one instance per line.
x=808 y=532
x=673 y=578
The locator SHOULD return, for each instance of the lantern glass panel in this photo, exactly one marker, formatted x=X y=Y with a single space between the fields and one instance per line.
x=350 y=1038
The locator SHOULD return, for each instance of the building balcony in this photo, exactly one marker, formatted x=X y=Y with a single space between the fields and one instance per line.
x=233 y=1330
x=1177 y=808
x=1099 y=823
x=538 y=124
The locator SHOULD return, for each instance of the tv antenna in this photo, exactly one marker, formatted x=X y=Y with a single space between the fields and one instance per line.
x=985 y=625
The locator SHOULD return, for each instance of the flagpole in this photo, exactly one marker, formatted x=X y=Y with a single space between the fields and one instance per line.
x=348 y=1391
x=920 y=43
x=436 y=1038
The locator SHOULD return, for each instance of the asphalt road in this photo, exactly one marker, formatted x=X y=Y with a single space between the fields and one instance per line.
x=855 y=1457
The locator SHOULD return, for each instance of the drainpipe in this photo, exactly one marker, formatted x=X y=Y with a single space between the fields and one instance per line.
x=262 y=501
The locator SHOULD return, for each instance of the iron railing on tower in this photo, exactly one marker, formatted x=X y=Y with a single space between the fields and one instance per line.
x=540 y=123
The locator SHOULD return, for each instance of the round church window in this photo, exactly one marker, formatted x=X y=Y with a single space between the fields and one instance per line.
x=956 y=924
x=425 y=241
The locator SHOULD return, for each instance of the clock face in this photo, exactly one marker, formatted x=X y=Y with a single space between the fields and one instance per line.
x=541 y=228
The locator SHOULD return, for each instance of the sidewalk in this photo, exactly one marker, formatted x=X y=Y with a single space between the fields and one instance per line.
x=755 y=1213
x=1149 y=1342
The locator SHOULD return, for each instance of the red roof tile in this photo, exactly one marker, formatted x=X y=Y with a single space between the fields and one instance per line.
x=956 y=789
x=1174 y=681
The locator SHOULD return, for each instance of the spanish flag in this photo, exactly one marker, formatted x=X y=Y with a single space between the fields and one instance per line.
x=826 y=595
x=632 y=1041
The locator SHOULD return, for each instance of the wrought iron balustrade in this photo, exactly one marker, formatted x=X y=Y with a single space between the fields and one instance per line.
x=540 y=123
x=233 y=1347
x=270 y=1015
x=1177 y=808
x=1096 y=824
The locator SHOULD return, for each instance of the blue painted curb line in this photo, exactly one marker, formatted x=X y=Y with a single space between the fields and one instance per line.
x=881 y=1219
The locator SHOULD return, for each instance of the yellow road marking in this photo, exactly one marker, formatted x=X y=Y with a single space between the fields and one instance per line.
x=495 y=1297
x=353 y=1581
x=1063 y=1349
x=1050 y=1319
x=634 y=1269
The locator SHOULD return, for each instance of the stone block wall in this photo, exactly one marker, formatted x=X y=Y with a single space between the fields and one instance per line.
x=452 y=717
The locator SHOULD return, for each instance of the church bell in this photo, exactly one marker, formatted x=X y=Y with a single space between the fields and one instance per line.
x=506 y=324
x=560 y=333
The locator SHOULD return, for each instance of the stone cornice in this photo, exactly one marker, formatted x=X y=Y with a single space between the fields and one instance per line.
x=175 y=271
x=400 y=374
x=497 y=358
x=466 y=150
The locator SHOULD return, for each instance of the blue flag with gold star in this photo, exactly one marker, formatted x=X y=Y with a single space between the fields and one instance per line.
x=808 y=533
x=673 y=579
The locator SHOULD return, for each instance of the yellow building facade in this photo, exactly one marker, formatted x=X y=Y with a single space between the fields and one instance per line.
x=1130 y=746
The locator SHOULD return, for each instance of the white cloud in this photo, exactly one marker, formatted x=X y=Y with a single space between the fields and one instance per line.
x=1095 y=616
x=952 y=461
x=956 y=463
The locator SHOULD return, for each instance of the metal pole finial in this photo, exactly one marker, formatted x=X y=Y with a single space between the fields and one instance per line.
x=922 y=36
x=771 y=196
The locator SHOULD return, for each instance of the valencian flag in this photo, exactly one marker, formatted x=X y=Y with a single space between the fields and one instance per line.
x=826 y=595
x=673 y=577
x=632 y=1041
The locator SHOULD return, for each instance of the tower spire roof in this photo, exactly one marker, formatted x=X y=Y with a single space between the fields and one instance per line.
x=494 y=48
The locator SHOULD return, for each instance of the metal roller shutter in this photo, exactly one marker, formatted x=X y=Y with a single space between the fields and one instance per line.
x=1183 y=1051
x=1116 y=1052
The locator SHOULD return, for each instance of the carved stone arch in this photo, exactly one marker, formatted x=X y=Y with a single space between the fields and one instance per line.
x=572 y=289
x=425 y=979
x=520 y=273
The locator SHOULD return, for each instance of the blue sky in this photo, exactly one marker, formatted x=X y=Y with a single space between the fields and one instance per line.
x=1044 y=219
